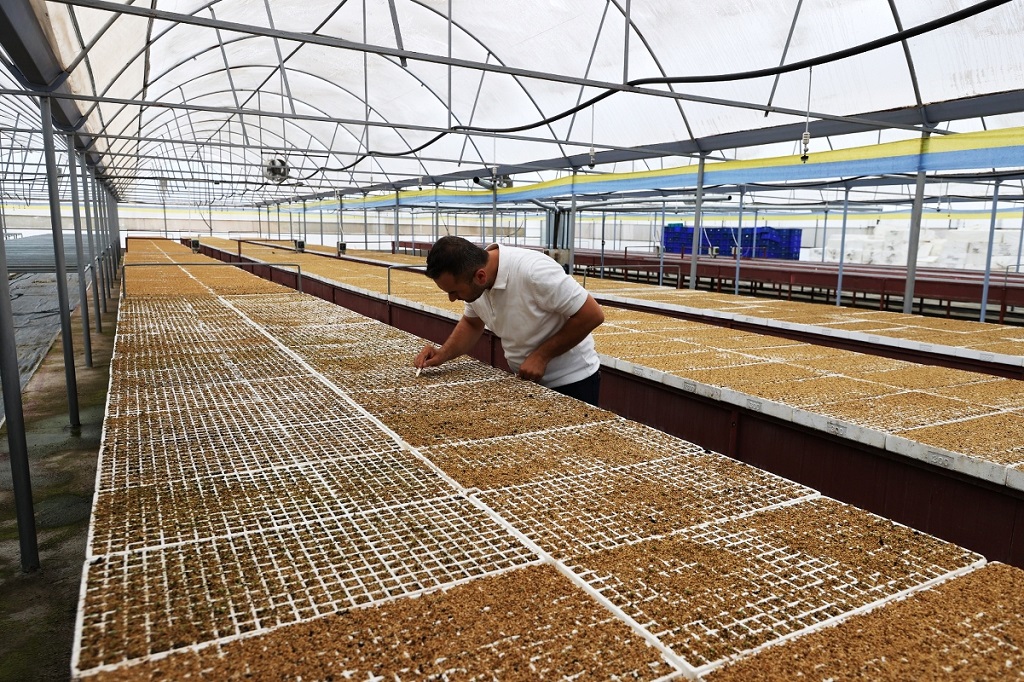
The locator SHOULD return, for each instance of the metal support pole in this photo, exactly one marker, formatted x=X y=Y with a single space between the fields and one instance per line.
x=603 y=217
x=341 y=232
x=115 y=223
x=842 y=248
x=397 y=236
x=661 y=249
x=753 y=238
x=58 y=256
x=915 y=233
x=101 y=236
x=108 y=223
x=571 y=241
x=699 y=199
x=494 y=210
x=1020 y=238
x=988 y=255
x=739 y=245
x=83 y=300
x=824 y=235
x=94 y=269
x=16 y=440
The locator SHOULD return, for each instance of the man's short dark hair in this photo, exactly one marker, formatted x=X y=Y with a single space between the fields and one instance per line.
x=456 y=256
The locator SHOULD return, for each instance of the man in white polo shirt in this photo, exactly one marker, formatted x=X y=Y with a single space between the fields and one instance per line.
x=542 y=315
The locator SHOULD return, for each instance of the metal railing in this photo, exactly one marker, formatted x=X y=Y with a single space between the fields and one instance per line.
x=417 y=268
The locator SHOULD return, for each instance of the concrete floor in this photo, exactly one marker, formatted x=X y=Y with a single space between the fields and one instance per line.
x=37 y=610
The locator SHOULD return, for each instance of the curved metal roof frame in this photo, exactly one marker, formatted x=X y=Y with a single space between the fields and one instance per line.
x=167 y=95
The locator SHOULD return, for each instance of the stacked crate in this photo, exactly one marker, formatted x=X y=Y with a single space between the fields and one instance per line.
x=756 y=242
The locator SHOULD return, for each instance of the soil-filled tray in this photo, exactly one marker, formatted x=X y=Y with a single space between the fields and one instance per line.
x=286 y=399
x=902 y=411
x=996 y=438
x=400 y=373
x=746 y=377
x=969 y=628
x=429 y=415
x=923 y=377
x=141 y=603
x=808 y=393
x=1007 y=394
x=697 y=360
x=213 y=505
x=146 y=449
x=715 y=591
x=573 y=515
x=628 y=344
x=530 y=623
x=574 y=450
x=254 y=363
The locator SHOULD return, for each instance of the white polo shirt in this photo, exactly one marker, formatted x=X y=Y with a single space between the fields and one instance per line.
x=531 y=299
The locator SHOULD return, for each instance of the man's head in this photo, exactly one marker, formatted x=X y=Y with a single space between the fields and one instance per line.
x=458 y=267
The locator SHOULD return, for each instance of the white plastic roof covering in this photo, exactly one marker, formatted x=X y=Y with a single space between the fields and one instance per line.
x=364 y=94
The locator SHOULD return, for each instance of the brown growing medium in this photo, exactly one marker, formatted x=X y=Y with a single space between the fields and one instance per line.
x=716 y=592
x=998 y=393
x=817 y=390
x=968 y=628
x=435 y=414
x=499 y=463
x=901 y=411
x=997 y=437
x=522 y=625
x=924 y=377
x=570 y=515
x=746 y=377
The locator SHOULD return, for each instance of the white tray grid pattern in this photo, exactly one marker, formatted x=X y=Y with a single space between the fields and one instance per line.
x=573 y=515
x=718 y=590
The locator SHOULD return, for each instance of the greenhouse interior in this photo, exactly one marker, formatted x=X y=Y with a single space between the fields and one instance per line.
x=787 y=238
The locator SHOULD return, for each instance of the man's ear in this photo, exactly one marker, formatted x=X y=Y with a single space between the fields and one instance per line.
x=480 y=277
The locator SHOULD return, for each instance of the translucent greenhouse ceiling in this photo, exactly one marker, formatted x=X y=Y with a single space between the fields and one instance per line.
x=186 y=99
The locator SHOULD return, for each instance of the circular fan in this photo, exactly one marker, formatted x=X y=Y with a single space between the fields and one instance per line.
x=276 y=169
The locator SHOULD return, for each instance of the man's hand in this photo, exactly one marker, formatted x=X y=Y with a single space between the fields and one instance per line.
x=462 y=339
x=533 y=368
x=428 y=357
x=576 y=328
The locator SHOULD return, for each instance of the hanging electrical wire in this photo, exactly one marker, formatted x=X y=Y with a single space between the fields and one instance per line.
x=878 y=43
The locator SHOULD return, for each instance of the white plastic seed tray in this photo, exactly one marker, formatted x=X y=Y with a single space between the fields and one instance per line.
x=574 y=450
x=718 y=590
x=466 y=411
x=236 y=502
x=140 y=603
x=572 y=515
x=142 y=449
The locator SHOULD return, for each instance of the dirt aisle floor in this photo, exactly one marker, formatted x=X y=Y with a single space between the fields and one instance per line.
x=37 y=610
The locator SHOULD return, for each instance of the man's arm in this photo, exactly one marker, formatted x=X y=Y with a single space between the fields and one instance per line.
x=462 y=339
x=575 y=329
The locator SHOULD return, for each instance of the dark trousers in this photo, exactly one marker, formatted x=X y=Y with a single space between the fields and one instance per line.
x=587 y=390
